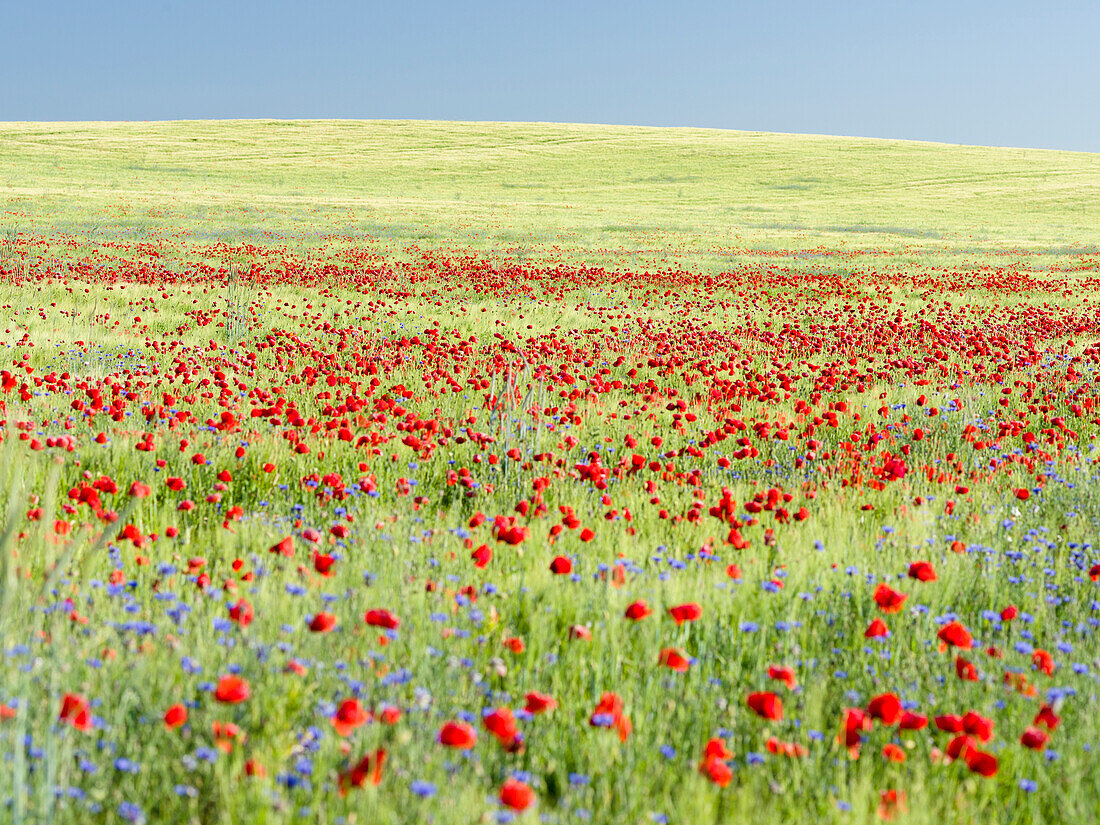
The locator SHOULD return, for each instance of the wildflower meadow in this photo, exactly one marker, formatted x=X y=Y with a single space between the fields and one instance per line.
x=436 y=473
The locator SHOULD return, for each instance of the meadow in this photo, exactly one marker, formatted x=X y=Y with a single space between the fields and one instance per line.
x=363 y=472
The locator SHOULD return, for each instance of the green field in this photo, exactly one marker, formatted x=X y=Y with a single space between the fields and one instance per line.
x=764 y=374
x=694 y=197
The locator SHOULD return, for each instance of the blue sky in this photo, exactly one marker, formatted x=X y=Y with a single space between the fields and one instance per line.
x=1000 y=73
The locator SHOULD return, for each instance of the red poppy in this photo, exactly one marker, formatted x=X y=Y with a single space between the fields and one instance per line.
x=369 y=767
x=482 y=556
x=609 y=713
x=717 y=771
x=893 y=753
x=322 y=623
x=885 y=707
x=516 y=795
x=1047 y=717
x=853 y=724
x=981 y=762
x=457 y=735
x=876 y=630
x=890 y=804
x=175 y=716
x=674 y=659
x=637 y=610
x=922 y=571
x=382 y=618
x=284 y=547
x=539 y=702
x=965 y=669
x=978 y=726
x=1034 y=738
x=716 y=749
x=1043 y=662
x=949 y=723
x=561 y=566
x=959 y=746
x=912 y=721
x=766 y=705
x=502 y=724
x=689 y=612
x=74 y=710
x=349 y=716
x=231 y=690
x=241 y=613
x=888 y=599
x=955 y=635
x=785 y=675
x=581 y=632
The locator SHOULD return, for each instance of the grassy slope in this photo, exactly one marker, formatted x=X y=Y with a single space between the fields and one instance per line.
x=658 y=192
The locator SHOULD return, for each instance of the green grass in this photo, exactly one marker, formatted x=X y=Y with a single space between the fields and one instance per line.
x=695 y=197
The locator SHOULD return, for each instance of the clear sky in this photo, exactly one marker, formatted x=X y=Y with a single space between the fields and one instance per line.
x=1001 y=73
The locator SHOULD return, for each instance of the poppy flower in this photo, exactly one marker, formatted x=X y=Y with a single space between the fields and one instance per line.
x=322 y=623
x=283 y=548
x=322 y=564
x=876 y=630
x=766 y=705
x=890 y=804
x=978 y=726
x=502 y=724
x=1043 y=662
x=893 y=753
x=515 y=644
x=785 y=675
x=949 y=723
x=74 y=710
x=888 y=599
x=689 y=612
x=673 y=659
x=636 y=611
x=381 y=618
x=539 y=702
x=886 y=708
x=349 y=715
x=175 y=716
x=980 y=762
x=965 y=669
x=955 y=635
x=960 y=745
x=140 y=490
x=516 y=795
x=609 y=714
x=791 y=750
x=231 y=690
x=853 y=724
x=369 y=767
x=1047 y=717
x=561 y=566
x=1034 y=738
x=922 y=571
x=912 y=721
x=241 y=613
x=457 y=735
x=716 y=749
x=717 y=771
x=581 y=632
x=482 y=556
